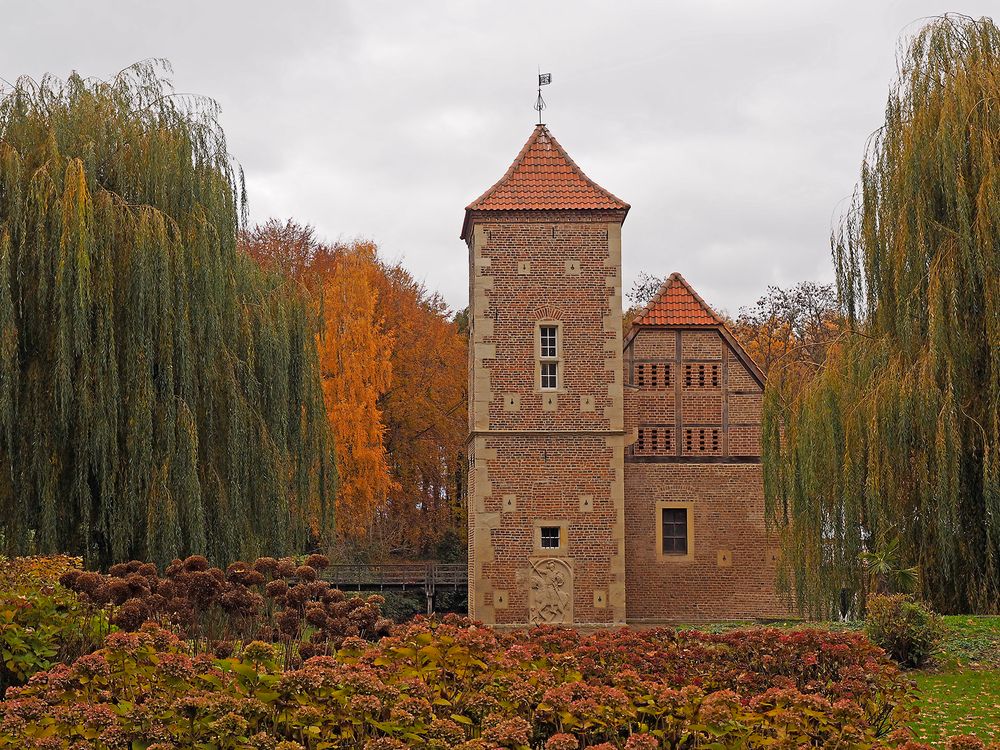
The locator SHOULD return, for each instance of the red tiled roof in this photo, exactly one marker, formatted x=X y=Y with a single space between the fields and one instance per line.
x=677 y=304
x=543 y=177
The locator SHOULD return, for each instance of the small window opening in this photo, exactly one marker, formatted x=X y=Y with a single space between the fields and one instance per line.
x=548 y=334
x=548 y=349
x=550 y=537
x=675 y=532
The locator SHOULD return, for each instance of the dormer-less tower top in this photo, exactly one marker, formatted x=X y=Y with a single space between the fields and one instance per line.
x=542 y=178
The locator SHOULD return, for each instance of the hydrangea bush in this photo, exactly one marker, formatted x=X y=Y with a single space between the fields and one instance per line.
x=41 y=623
x=271 y=600
x=458 y=685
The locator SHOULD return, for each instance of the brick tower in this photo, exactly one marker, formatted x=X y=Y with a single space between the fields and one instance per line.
x=546 y=411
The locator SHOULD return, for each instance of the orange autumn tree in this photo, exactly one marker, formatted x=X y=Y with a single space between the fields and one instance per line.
x=356 y=366
x=425 y=419
x=791 y=329
x=422 y=409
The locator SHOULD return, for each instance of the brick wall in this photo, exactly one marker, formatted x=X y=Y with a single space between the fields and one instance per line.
x=521 y=296
x=731 y=572
x=540 y=479
x=675 y=418
x=542 y=456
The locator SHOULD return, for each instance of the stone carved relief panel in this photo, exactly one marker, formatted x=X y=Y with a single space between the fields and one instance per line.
x=550 y=591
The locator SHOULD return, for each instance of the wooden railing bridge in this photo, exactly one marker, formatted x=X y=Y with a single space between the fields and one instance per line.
x=429 y=577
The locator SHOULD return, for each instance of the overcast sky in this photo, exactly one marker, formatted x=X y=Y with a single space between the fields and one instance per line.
x=735 y=129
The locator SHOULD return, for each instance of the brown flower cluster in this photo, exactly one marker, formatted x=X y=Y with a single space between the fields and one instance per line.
x=455 y=685
x=269 y=599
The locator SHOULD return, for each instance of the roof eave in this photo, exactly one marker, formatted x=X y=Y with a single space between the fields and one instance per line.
x=470 y=210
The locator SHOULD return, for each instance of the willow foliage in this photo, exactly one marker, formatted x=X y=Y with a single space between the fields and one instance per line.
x=897 y=436
x=159 y=392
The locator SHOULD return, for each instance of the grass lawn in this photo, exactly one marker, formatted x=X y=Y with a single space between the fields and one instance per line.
x=970 y=643
x=958 y=703
x=960 y=694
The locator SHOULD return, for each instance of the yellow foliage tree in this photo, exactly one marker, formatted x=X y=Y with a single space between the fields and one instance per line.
x=356 y=365
x=421 y=414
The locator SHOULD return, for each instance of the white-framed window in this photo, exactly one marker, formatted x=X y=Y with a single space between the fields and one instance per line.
x=550 y=376
x=548 y=356
x=547 y=340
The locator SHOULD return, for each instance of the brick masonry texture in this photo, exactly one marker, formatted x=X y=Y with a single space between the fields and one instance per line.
x=672 y=417
x=536 y=453
x=547 y=477
x=731 y=574
x=728 y=510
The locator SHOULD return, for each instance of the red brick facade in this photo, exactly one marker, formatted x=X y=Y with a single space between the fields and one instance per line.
x=710 y=466
x=568 y=480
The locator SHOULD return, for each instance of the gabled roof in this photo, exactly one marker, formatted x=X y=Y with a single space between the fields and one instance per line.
x=677 y=304
x=543 y=177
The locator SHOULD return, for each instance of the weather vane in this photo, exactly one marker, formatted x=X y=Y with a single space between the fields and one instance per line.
x=544 y=79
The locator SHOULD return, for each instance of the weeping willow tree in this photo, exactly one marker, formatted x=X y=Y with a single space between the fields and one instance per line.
x=159 y=392
x=896 y=437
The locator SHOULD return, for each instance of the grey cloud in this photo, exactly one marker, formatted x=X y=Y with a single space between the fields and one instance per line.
x=733 y=128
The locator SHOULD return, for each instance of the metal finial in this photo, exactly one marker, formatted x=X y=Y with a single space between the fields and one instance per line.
x=544 y=79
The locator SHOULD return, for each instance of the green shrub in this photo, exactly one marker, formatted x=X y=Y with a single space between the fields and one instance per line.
x=907 y=630
x=42 y=624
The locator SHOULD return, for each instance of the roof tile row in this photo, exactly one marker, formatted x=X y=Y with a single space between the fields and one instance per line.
x=677 y=304
x=544 y=177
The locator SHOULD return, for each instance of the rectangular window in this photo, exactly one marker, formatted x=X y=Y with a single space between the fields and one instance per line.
x=550 y=537
x=548 y=341
x=550 y=380
x=548 y=354
x=675 y=531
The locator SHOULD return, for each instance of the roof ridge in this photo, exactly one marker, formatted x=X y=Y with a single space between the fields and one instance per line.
x=708 y=308
x=576 y=168
x=658 y=311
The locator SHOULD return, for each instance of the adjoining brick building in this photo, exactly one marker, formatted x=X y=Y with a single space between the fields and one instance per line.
x=607 y=483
